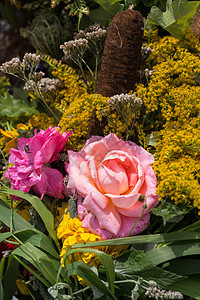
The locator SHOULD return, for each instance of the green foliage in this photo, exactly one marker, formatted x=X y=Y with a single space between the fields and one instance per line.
x=9 y=276
x=12 y=108
x=72 y=209
x=134 y=263
x=170 y=212
x=8 y=12
x=105 y=259
x=189 y=287
x=176 y=18
x=38 y=205
x=80 y=269
x=106 y=11
x=48 y=31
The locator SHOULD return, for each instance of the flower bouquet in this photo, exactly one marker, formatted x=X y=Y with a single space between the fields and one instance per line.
x=100 y=183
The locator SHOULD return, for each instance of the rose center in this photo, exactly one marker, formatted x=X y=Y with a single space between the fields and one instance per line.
x=113 y=178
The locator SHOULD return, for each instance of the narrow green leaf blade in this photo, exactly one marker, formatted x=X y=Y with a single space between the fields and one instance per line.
x=18 y=222
x=4 y=236
x=188 y=266
x=43 y=262
x=38 y=239
x=187 y=287
x=78 y=268
x=162 y=254
x=145 y=239
x=106 y=261
x=9 y=278
x=44 y=213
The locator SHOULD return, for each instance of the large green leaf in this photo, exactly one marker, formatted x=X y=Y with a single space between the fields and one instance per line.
x=9 y=278
x=107 y=10
x=112 y=7
x=187 y=287
x=45 y=263
x=170 y=212
x=38 y=239
x=145 y=239
x=78 y=268
x=39 y=206
x=106 y=261
x=11 y=107
x=18 y=222
x=188 y=266
x=162 y=254
x=177 y=16
x=134 y=263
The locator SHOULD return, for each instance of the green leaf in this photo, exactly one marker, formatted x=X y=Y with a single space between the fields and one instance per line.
x=111 y=7
x=151 y=139
x=4 y=236
x=170 y=212
x=18 y=222
x=1 y=291
x=10 y=107
x=38 y=239
x=45 y=263
x=99 y=15
x=44 y=213
x=176 y=18
x=106 y=261
x=145 y=239
x=72 y=209
x=78 y=268
x=9 y=278
x=162 y=254
x=188 y=266
x=187 y=287
x=134 y=263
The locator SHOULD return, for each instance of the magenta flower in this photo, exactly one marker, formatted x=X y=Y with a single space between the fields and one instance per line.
x=31 y=163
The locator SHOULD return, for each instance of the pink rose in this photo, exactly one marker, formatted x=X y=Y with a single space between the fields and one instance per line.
x=111 y=175
x=31 y=163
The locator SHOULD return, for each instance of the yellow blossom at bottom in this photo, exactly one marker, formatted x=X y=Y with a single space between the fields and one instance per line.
x=71 y=232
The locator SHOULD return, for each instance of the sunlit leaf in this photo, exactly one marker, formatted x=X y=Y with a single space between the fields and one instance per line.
x=11 y=107
x=176 y=18
x=170 y=212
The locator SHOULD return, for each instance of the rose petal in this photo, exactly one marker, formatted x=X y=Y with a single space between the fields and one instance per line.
x=108 y=217
x=137 y=208
x=80 y=182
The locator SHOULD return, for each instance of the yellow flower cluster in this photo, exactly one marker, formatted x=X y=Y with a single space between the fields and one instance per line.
x=173 y=74
x=71 y=232
x=177 y=164
x=9 y=138
x=172 y=107
x=41 y=121
x=76 y=104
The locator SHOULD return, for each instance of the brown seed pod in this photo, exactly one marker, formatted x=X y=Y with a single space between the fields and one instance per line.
x=122 y=51
x=121 y=60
